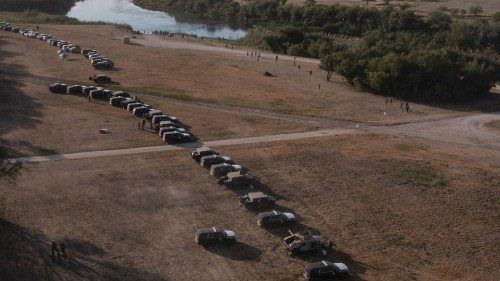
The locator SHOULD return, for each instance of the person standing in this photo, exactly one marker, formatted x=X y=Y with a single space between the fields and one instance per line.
x=407 y=107
x=53 y=249
x=276 y=58
x=143 y=123
x=63 y=250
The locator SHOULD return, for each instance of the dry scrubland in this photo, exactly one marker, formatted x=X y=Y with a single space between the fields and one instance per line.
x=221 y=78
x=134 y=217
x=423 y=6
x=36 y=122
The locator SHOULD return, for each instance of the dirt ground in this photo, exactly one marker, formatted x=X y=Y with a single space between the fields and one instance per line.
x=134 y=217
x=415 y=201
x=36 y=122
x=219 y=78
x=493 y=125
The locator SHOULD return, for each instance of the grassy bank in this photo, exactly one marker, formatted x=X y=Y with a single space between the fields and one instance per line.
x=59 y=7
x=35 y=17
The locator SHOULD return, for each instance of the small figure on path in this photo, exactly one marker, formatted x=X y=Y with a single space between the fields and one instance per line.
x=387 y=101
x=63 y=250
x=299 y=66
x=294 y=60
x=88 y=97
x=276 y=58
x=53 y=249
x=226 y=45
x=407 y=107
x=310 y=72
x=319 y=86
x=139 y=125
x=390 y=101
x=143 y=123
x=247 y=53
x=401 y=105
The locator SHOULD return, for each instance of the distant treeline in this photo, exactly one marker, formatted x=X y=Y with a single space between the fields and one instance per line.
x=58 y=7
x=389 y=51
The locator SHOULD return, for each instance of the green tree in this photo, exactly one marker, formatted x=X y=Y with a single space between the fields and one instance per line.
x=475 y=10
x=439 y=20
x=496 y=17
x=350 y=68
x=328 y=64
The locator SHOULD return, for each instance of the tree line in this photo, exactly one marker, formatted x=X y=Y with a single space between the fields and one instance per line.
x=59 y=7
x=389 y=51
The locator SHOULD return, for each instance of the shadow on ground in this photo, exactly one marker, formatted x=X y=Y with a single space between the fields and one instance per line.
x=19 y=110
x=237 y=251
x=26 y=255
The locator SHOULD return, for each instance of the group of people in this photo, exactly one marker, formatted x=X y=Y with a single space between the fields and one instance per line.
x=252 y=54
x=58 y=250
x=402 y=106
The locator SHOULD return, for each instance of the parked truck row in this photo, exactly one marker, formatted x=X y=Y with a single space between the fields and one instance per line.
x=232 y=175
x=97 y=60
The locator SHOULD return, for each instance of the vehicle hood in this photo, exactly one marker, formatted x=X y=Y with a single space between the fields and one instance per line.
x=342 y=267
x=289 y=216
x=230 y=233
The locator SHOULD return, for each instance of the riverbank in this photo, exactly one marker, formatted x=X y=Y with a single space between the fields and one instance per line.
x=35 y=17
x=58 y=7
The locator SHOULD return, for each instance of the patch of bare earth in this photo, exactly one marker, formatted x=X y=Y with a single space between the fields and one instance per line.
x=134 y=217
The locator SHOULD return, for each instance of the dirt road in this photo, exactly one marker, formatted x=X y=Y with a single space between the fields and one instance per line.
x=104 y=153
x=465 y=130
x=461 y=130
x=172 y=43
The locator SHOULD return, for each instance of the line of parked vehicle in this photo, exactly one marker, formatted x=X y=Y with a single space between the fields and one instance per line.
x=97 y=60
x=168 y=127
x=231 y=175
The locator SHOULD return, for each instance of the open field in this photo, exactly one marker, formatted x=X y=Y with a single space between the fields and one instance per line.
x=221 y=78
x=133 y=217
x=405 y=197
x=37 y=122
x=489 y=6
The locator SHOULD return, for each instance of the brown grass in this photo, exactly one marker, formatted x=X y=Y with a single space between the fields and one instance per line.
x=220 y=78
x=133 y=217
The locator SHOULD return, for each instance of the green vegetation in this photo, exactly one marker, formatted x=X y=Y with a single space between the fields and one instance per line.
x=424 y=177
x=7 y=167
x=35 y=17
x=388 y=51
x=59 y=7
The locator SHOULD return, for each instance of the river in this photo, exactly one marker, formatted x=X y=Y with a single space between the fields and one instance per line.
x=146 y=21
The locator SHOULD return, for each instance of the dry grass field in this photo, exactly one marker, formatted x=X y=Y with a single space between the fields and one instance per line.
x=36 y=122
x=396 y=205
x=133 y=217
x=217 y=78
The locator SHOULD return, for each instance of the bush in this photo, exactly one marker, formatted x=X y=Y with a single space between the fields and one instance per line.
x=424 y=177
x=7 y=167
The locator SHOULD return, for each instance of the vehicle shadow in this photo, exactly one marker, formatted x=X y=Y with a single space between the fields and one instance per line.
x=236 y=251
x=26 y=255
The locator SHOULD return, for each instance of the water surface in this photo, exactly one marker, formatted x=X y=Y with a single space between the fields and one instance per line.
x=146 y=21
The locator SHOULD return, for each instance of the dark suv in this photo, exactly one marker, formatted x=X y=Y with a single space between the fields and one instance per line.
x=214 y=235
x=325 y=270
